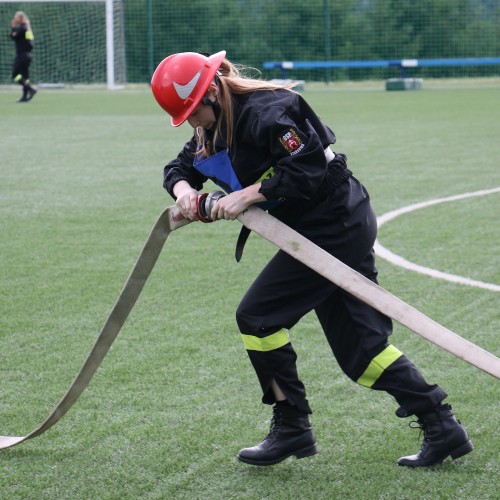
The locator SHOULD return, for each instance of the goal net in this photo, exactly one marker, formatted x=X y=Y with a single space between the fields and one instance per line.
x=76 y=41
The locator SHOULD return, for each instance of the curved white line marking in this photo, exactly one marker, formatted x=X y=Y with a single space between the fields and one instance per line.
x=400 y=261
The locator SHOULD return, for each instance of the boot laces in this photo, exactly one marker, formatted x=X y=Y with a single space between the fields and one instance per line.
x=423 y=427
x=277 y=420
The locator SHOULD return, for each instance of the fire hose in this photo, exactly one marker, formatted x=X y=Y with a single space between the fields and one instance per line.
x=294 y=244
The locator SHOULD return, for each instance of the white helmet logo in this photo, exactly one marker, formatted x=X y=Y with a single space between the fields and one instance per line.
x=184 y=91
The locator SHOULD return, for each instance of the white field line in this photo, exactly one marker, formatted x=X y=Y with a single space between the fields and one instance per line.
x=391 y=257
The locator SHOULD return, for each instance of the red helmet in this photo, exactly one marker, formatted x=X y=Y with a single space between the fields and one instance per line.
x=180 y=82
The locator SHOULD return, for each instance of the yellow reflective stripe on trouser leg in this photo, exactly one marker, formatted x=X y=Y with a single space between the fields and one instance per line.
x=269 y=343
x=378 y=364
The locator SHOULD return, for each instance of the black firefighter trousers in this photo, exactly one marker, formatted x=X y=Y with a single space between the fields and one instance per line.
x=343 y=224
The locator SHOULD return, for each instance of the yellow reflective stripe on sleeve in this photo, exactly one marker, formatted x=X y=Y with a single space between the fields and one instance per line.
x=378 y=364
x=274 y=341
x=266 y=175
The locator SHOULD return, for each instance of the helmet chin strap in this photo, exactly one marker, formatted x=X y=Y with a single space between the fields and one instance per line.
x=214 y=104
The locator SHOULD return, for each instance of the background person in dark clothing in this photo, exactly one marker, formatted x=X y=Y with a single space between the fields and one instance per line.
x=23 y=37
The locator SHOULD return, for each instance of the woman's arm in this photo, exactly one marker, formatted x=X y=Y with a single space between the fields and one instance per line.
x=186 y=199
x=230 y=206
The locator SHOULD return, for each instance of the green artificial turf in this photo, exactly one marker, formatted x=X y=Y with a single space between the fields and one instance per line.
x=176 y=397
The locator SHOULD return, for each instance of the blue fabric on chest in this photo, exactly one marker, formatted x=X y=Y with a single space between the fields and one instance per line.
x=219 y=169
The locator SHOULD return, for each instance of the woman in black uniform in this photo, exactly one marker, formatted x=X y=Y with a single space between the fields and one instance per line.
x=263 y=144
x=22 y=35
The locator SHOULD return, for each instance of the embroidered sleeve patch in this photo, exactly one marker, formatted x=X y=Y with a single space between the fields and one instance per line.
x=291 y=142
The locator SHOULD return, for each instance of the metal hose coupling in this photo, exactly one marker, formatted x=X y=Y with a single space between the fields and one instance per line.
x=206 y=202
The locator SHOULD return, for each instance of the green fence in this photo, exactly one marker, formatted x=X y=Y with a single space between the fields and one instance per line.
x=254 y=31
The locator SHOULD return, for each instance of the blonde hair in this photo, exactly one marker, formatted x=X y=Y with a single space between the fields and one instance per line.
x=231 y=79
x=25 y=20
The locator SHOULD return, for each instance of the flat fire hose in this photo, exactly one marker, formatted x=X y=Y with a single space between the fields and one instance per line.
x=167 y=222
x=362 y=288
x=298 y=247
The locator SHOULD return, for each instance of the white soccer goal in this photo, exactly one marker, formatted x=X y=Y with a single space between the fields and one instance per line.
x=76 y=41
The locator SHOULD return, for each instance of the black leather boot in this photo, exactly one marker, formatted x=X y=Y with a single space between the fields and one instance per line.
x=24 y=97
x=31 y=93
x=290 y=434
x=444 y=436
